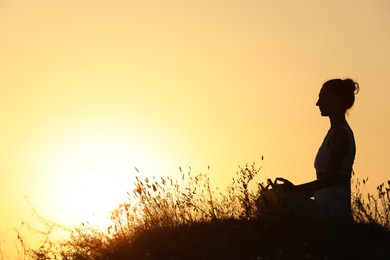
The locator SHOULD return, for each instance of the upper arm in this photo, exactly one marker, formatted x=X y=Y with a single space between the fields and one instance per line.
x=338 y=147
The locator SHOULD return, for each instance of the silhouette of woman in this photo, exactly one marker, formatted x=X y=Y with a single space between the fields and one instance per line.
x=335 y=157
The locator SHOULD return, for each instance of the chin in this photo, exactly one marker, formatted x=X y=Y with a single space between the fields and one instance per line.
x=324 y=113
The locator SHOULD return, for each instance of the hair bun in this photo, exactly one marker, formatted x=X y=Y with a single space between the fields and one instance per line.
x=357 y=88
x=346 y=88
x=351 y=85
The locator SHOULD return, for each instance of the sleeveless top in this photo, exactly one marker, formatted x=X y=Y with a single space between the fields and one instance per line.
x=321 y=159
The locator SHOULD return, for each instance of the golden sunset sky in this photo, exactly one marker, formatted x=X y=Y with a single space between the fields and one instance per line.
x=91 y=89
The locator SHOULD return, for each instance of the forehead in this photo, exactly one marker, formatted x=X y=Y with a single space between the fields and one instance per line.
x=324 y=92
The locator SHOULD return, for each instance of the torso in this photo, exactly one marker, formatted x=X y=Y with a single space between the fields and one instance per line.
x=321 y=160
x=335 y=201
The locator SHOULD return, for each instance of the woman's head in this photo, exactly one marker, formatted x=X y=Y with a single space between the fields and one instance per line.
x=338 y=93
x=344 y=88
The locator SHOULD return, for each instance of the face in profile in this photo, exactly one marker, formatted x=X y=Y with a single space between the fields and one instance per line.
x=327 y=103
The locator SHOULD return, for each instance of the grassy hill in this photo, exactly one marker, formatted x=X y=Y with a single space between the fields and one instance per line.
x=187 y=219
x=250 y=239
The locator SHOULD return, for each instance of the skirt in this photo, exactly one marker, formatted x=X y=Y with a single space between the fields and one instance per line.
x=335 y=203
x=331 y=205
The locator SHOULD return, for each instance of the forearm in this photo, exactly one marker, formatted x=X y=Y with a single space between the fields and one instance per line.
x=306 y=187
x=315 y=185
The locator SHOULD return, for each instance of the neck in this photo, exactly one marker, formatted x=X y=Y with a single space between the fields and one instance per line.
x=337 y=119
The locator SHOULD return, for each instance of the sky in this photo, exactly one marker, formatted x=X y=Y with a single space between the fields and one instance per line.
x=89 y=90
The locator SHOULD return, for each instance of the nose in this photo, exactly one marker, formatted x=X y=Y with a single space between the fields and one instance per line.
x=318 y=103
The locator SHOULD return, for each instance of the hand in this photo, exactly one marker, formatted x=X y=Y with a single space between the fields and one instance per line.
x=286 y=184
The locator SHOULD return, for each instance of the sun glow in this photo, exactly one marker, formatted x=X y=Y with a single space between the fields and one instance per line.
x=93 y=174
x=98 y=191
x=91 y=190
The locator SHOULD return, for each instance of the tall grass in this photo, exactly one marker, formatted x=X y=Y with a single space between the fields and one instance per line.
x=370 y=208
x=187 y=218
